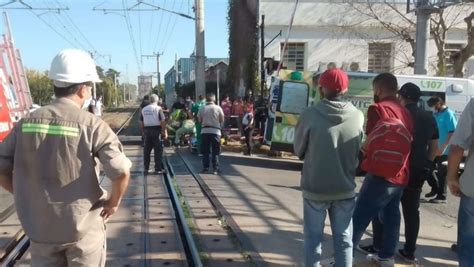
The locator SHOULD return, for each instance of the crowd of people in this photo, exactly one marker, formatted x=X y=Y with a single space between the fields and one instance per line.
x=63 y=209
x=404 y=146
x=204 y=120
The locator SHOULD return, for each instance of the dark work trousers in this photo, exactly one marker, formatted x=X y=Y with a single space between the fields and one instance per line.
x=410 y=207
x=438 y=182
x=153 y=142
x=210 y=143
x=248 y=133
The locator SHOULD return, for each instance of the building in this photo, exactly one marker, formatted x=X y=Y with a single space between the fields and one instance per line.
x=349 y=35
x=144 y=85
x=212 y=72
x=182 y=73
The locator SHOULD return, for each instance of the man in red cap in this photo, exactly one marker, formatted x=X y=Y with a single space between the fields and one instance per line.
x=328 y=137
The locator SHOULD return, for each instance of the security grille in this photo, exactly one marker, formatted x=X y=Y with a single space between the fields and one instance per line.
x=294 y=56
x=380 y=57
x=451 y=50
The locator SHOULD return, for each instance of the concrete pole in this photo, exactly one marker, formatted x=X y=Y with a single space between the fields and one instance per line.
x=422 y=41
x=158 y=71
x=200 y=50
x=262 y=56
x=218 y=87
x=115 y=90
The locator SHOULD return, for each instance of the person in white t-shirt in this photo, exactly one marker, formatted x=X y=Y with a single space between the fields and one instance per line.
x=98 y=107
x=153 y=125
x=211 y=118
x=247 y=125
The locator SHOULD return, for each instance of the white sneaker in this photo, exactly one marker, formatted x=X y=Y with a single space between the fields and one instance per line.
x=329 y=262
x=389 y=262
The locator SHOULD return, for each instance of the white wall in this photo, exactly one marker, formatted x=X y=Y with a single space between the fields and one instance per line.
x=336 y=33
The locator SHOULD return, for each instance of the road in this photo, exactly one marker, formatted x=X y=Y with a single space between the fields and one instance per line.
x=264 y=198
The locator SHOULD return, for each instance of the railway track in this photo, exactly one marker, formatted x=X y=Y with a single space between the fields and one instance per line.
x=164 y=219
x=212 y=231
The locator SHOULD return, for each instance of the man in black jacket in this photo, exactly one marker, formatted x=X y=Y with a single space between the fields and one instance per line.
x=423 y=152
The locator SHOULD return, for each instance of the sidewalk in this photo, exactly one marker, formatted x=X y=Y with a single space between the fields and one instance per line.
x=264 y=199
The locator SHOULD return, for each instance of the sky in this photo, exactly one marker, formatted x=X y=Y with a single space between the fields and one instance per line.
x=41 y=34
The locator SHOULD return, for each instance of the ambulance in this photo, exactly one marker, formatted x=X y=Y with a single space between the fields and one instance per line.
x=292 y=91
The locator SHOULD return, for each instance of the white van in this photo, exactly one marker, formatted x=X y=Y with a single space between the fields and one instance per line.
x=455 y=91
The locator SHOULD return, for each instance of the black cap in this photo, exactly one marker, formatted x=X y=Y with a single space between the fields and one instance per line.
x=410 y=91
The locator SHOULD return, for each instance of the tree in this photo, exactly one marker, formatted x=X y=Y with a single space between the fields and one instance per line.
x=111 y=73
x=402 y=26
x=468 y=51
x=106 y=89
x=159 y=91
x=243 y=40
x=41 y=87
x=100 y=72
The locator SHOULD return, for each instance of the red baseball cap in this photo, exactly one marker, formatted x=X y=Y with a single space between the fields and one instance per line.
x=334 y=79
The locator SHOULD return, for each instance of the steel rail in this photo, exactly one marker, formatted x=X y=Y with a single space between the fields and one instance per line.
x=194 y=258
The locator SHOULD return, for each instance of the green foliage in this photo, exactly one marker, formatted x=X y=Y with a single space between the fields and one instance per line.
x=243 y=43
x=41 y=87
x=159 y=91
x=106 y=89
x=111 y=72
x=100 y=72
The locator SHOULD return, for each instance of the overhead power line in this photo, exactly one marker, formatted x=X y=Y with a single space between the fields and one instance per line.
x=159 y=29
x=166 y=29
x=20 y=4
x=171 y=32
x=52 y=28
x=74 y=25
x=132 y=38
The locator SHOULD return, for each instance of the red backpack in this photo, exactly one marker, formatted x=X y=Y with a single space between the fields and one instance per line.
x=387 y=147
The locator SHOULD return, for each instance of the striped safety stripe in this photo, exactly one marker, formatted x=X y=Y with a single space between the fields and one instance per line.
x=49 y=129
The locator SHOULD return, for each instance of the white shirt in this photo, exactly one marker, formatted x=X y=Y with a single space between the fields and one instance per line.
x=464 y=137
x=152 y=115
x=98 y=108
x=210 y=115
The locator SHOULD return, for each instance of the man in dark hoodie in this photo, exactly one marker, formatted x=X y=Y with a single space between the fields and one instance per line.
x=328 y=137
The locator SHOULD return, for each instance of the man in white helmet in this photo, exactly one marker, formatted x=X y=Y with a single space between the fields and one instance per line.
x=48 y=162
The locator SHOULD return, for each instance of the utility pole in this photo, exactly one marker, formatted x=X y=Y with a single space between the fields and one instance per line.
x=262 y=57
x=218 y=86
x=115 y=90
x=422 y=40
x=94 y=90
x=200 y=49
x=157 y=55
x=124 y=94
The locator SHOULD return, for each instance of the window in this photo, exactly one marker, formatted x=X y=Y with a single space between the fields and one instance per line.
x=380 y=57
x=294 y=97
x=294 y=56
x=450 y=50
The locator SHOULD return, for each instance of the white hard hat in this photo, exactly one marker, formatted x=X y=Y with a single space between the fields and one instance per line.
x=73 y=66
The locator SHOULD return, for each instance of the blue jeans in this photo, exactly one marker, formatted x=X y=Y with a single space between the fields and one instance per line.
x=340 y=215
x=211 y=144
x=379 y=199
x=466 y=232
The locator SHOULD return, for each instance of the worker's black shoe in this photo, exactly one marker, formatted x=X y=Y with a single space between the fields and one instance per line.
x=431 y=194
